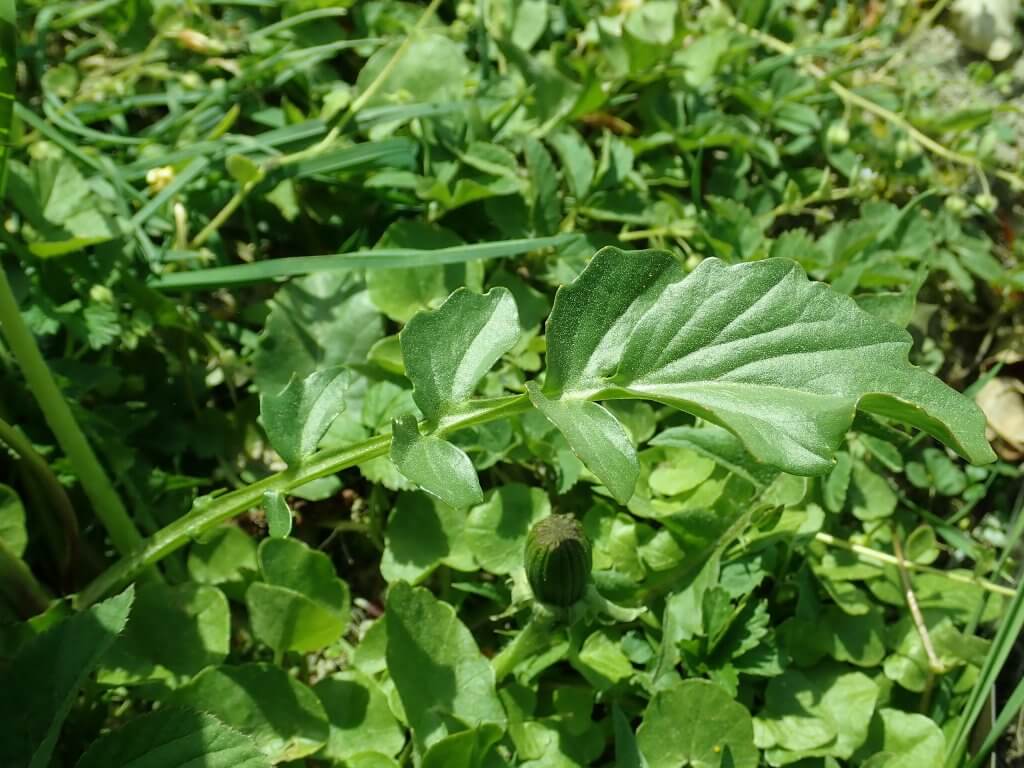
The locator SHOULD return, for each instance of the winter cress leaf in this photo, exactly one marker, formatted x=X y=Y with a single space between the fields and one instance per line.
x=299 y=415
x=781 y=361
x=448 y=351
x=438 y=467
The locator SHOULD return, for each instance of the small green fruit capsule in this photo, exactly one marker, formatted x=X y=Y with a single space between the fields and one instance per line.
x=838 y=134
x=956 y=204
x=987 y=202
x=558 y=560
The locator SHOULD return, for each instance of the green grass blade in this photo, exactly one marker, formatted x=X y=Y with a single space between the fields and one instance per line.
x=1002 y=644
x=390 y=153
x=383 y=258
x=1010 y=710
x=8 y=46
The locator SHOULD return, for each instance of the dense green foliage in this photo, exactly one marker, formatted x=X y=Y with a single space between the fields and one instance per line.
x=311 y=311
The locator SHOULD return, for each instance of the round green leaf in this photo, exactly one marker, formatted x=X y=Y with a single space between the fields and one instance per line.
x=226 y=558
x=422 y=533
x=301 y=605
x=400 y=293
x=174 y=632
x=359 y=716
x=281 y=716
x=823 y=711
x=289 y=621
x=904 y=740
x=439 y=672
x=697 y=723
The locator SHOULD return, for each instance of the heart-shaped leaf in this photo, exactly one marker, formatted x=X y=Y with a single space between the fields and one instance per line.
x=697 y=723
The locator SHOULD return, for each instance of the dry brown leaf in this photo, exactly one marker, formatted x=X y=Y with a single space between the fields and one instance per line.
x=1002 y=400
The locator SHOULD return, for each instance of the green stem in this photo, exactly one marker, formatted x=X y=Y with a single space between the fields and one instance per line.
x=65 y=524
x=26 y=596
x=535 y=635
x=224 y=213
x=105 y=501
x=209 y=513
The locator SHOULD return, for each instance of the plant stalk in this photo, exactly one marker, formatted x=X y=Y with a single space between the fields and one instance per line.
x=26 y=596
x=64 y=523
x=531 y=638
x=209 y=513
x=97 y=485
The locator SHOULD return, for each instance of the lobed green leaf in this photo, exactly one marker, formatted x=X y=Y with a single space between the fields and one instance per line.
x=781 y=361
x=297 y=417
x=448 y=351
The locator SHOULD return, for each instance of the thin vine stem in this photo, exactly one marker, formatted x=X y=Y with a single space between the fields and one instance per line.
x=208 y=513
x=935 y=665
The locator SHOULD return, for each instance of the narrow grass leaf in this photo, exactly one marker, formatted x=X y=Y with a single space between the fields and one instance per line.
x=382 y=258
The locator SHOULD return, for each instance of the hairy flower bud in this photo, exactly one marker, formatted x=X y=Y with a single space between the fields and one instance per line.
x=558 y=560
